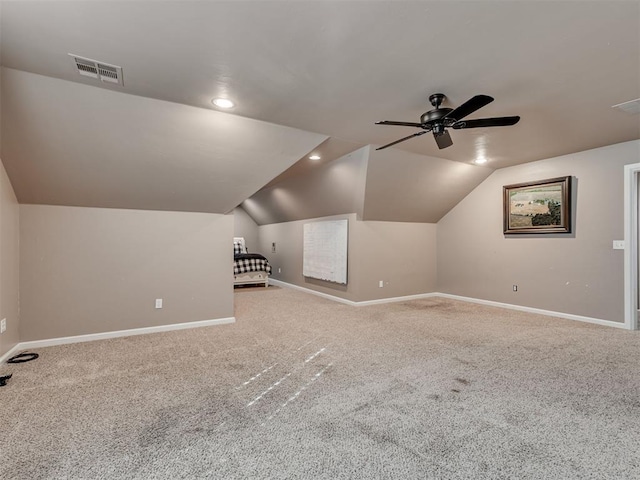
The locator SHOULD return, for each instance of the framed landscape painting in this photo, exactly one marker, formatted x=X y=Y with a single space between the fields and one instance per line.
x=538 y=207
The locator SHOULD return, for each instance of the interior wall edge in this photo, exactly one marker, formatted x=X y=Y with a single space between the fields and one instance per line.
x=9 y=263
x=11 y=352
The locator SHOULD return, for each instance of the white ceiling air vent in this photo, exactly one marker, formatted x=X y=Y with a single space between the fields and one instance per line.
x=98 y=70
x=632 y=107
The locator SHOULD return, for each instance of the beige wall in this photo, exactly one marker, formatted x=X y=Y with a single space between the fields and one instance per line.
x=403 y=255
x=244 y=226
x=91 y=270
x=288 y=237
x=579 y=274
x=9 y=263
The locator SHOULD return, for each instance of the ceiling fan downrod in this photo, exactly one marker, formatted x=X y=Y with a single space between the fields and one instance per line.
x=436 y=99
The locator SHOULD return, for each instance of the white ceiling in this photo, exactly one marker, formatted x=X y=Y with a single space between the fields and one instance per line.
x=334 y=68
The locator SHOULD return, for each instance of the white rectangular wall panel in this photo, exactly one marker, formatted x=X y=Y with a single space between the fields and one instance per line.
x=325 y=250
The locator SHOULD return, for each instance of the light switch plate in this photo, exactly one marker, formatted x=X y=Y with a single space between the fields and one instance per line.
x=618 y=244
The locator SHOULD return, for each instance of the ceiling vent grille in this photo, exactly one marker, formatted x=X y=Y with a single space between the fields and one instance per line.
x=98 y=70
x=632 y=107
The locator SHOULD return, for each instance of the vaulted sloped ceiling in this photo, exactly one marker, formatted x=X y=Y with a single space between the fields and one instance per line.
x=386 y=185
x=336 y=67
x=71 y=144
x=332 y=188
x=407 y=187
x=302 y=73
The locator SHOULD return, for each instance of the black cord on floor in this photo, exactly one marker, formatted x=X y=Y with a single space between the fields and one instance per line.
x=23 y=357
x=3 y=380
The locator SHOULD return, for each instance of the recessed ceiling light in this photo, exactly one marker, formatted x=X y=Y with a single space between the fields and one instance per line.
x=223 y=103
x=314 y=157
x=480 y=160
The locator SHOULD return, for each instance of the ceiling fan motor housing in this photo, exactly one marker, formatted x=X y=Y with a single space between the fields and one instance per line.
x=434 y=115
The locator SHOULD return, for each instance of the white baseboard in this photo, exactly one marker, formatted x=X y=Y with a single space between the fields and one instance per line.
x=115 y=334
x=280 y=283
x=221 y=321
x=10 y=353
x=351 y=302
x=539 y=311
x=379 y=301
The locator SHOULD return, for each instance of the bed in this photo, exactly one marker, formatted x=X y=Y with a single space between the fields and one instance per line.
x=249 y=268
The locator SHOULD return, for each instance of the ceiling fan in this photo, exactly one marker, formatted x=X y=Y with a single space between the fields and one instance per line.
x=439 y=119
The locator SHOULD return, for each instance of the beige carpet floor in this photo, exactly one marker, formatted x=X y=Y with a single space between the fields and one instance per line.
x=301 y=387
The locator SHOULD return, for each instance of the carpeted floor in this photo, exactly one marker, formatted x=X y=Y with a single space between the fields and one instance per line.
x=301 y=387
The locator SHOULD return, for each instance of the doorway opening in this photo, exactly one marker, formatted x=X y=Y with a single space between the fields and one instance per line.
x=631 y=225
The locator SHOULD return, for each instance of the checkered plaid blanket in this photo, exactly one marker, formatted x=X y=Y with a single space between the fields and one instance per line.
x=250 y=262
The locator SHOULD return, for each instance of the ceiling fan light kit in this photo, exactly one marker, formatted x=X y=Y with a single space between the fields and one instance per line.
x=439 y=119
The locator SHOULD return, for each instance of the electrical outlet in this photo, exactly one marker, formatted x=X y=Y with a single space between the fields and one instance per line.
x=381 y=284
x=273 y=247
x=158 y=303
x=3 y=325
x=279 y=270
x=515 y=288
